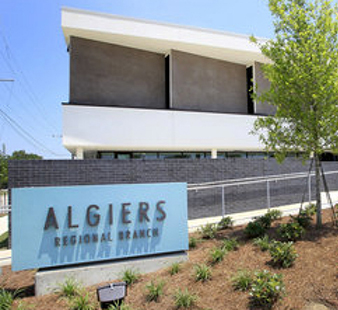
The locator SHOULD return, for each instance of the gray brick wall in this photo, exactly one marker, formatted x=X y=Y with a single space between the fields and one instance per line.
x=202 y=203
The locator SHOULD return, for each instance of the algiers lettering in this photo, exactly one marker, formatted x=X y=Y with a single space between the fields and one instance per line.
x=93 y=218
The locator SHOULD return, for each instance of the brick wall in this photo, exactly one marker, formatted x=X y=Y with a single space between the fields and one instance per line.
x=202 y=203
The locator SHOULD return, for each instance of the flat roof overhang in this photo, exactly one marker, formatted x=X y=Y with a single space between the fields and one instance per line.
x=160 y=37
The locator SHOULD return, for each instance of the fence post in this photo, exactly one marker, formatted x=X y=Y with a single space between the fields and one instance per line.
x=268 y=193
x=223 y=202
x=309 y=183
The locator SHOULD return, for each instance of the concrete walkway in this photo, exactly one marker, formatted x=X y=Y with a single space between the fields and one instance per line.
x=3 y=224
x=193 y=225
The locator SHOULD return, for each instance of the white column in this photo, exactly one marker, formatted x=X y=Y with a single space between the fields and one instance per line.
x=214 y=153
x=79 y=153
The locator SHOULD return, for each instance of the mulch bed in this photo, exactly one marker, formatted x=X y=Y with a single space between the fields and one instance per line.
x=313 y=277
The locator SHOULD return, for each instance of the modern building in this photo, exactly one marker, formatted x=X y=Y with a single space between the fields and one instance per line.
x=143 y=89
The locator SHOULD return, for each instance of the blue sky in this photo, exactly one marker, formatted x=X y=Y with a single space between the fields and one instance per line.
x=33 y=53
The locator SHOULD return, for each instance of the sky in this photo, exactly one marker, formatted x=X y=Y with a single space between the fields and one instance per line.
x=34 y=63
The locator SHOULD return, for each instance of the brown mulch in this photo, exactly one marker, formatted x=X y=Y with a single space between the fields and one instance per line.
x=313 y=277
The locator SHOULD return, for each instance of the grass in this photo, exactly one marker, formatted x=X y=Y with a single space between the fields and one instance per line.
x=82 y=302
x=184 y=299
x=242 y=280
x=154 y=291
x=202 y=273
x=7 y=298
x=4 y=241
x=217 y=255
x=69 y=289
x=130 y=276
x=174 y=268
x=230 y=244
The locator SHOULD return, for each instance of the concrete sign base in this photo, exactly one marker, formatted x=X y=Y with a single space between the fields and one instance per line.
x=48 y=280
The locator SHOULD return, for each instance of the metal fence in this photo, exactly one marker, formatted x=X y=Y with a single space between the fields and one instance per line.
x=5 y=209
x=246 y=194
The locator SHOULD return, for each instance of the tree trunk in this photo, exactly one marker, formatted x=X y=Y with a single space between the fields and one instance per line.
x=318 y=198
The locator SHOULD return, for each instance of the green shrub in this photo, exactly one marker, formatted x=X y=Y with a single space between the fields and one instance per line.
x=209 y=231
x=242 y=280
x=192 y=243
x=184 y=299
x=7 y=299
x=266 y=289
x=174 y=268
x=303 y=219
x=274 y=214
x=81 y=302
x=311 y=209
x=262 y=242
x=68 y=289
x=283 y=254
x=230 y=244
x=225 y=222
x=217 y=255
x=291 y=231
x=254 y=229
x=155 y=291
x=264 y=220
x=130 y=276
x=202 y=272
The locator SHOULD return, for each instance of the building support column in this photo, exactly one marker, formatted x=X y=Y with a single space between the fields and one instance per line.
x=79 y=153
x=214 y=153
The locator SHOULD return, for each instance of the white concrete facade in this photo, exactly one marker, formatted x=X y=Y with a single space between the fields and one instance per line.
x=102 y=129
x=126 y=129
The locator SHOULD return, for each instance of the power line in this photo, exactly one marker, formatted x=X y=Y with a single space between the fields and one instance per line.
x=25 y=82
x=26 y=135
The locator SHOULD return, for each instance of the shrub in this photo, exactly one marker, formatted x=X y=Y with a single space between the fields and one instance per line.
x=274 y=214
x=217 y=255
x=68 y=289
x=254 y=229
x=7 y=299
x=225 y=222
x=130 y=276
x=155 y=291
x=266 y=288
x=184 y=299
x=303 y=219
x=81 y=302
x=310 y=209
x=209 y=231
x=283 y=254
x=291 y=231
x=202 y=272
x=262 y=242
x=174 y=268
x=192 y=243
x=264 y=220
x=230 y=244
x=242 y=280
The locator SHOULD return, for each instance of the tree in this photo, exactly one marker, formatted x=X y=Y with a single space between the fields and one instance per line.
x=303 y=76
x=16 y=155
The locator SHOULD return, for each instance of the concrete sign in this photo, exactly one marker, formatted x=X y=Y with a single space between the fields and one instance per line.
x=54 y=226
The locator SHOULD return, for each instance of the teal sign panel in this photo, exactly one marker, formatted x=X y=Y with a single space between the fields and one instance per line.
x=55 y=226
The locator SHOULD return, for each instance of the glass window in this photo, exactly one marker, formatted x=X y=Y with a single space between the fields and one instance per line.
x=107 y=155
x=123 y=155
x=257 y=155
x=236 y=155
x=145 y=155
x=170 y=155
